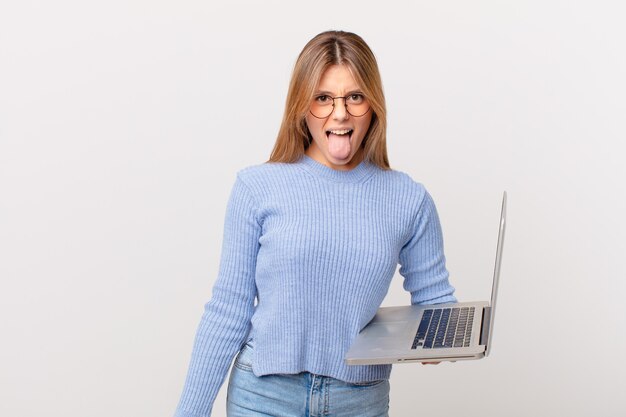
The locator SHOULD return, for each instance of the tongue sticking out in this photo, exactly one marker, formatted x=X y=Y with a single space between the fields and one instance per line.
x=339 y=145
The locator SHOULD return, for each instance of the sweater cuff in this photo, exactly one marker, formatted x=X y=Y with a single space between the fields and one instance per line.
x=182 y=413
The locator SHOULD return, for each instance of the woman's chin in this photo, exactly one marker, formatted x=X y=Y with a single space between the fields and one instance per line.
x=340 y=157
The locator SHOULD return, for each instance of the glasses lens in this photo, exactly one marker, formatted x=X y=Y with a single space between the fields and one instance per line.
x=356 y=104
x=358 y=110
x=322 y=107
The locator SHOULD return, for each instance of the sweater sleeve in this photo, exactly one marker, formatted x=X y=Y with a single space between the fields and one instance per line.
x=423 y=264
x=226 y=320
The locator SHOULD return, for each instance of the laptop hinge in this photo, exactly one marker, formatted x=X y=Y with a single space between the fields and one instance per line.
x=484 y=331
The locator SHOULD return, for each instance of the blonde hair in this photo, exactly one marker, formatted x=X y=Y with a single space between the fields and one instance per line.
x=324 y=50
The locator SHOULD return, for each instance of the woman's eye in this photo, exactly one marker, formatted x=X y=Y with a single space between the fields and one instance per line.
x=322 y=99
x=355 y=98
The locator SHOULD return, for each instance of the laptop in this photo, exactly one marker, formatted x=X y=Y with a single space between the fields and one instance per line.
x=430 y=333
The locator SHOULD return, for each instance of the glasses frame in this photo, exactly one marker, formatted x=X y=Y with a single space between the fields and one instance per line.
x=345 y=104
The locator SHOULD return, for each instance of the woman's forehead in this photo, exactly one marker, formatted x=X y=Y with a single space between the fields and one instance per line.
x=337 y=77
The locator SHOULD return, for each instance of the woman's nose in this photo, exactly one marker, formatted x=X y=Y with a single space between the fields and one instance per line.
x=339 y=111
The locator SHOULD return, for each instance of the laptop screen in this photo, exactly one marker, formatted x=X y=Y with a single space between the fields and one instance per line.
x=496 y=272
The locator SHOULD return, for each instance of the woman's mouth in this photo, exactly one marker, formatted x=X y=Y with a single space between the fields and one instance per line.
x=339 y=132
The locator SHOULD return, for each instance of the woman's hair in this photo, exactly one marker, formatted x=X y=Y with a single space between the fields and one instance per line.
x=324 y=50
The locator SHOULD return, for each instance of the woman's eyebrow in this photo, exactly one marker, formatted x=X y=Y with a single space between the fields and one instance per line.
x=329 y=93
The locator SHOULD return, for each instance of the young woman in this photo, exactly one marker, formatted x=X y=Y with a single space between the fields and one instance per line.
x=312 y=239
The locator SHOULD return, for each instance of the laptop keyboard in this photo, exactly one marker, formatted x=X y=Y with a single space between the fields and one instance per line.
x=445 y=328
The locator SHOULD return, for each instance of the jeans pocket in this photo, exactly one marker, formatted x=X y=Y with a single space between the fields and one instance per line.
x=368 y=383
x=243 y=360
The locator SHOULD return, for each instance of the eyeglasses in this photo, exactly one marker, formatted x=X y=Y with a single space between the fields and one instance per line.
x=323 y=105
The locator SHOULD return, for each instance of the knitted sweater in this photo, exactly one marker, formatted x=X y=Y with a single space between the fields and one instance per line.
x=307 y=258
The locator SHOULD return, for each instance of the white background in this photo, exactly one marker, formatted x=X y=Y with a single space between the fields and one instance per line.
x=123 y=124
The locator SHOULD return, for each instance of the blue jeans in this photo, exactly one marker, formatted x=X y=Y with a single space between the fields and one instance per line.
x=301 y=395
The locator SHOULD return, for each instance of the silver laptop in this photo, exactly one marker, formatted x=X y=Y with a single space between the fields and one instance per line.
x=425 y=333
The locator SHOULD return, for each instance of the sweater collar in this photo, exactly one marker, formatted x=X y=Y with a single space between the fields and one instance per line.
x=358 y=174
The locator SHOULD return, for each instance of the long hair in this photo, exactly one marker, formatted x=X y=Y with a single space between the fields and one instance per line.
x=324 y=50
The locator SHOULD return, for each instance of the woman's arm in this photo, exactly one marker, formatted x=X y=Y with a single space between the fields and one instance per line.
x=226 y=320
x=422 y=260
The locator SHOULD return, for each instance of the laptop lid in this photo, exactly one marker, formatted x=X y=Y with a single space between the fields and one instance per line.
x=490 y=315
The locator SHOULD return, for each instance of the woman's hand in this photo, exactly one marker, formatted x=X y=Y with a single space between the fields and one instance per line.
x=434 y=363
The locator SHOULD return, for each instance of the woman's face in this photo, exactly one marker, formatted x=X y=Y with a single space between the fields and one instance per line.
x=337 y=138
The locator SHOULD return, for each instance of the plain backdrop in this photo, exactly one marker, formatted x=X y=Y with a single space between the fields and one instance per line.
x=123 y=124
